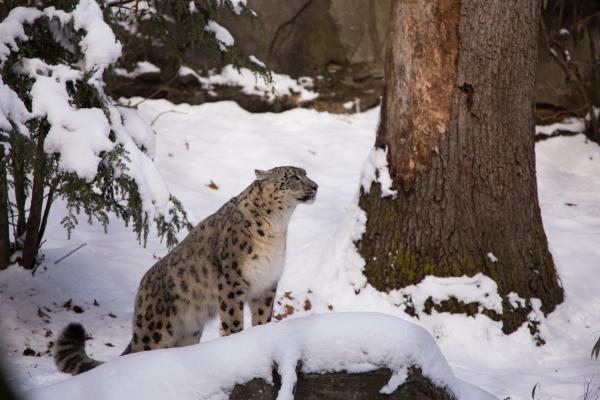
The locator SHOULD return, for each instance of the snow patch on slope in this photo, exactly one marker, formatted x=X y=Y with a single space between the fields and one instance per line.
x=141 y=67
x=344 y=263
x=475 y=289
x=568 y=125
x=251 y=84
x=375 y=169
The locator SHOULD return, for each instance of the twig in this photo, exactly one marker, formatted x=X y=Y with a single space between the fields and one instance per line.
x=12 y=220
x=165 y=112
x=68 y=254
x=280 y=28
x=157 y=91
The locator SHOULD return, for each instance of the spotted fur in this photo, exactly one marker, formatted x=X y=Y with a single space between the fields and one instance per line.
x=231 y=258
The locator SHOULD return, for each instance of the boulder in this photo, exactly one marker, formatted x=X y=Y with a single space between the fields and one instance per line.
x=345 y=386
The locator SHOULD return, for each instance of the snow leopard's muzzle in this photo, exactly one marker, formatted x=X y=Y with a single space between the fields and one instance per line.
x=310 y=192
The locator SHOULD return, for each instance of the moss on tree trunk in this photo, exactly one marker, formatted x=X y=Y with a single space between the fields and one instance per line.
x=457 y=120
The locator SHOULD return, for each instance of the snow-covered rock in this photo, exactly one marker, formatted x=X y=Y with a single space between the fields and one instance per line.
x=252 y=84
x=352 y=342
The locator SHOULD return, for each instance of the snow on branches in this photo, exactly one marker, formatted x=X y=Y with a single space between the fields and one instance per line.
x=221 y=34
x=99 y=45
x=59 y=125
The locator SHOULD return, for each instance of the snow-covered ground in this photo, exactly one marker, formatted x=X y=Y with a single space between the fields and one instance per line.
x=208 y=153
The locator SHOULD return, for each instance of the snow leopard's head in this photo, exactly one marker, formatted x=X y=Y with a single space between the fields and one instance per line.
x=289 y=184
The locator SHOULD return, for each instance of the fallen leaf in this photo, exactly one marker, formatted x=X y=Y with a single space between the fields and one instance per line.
x=288 y=295
x=289 y=310
x=307 y=305
x=212 y=185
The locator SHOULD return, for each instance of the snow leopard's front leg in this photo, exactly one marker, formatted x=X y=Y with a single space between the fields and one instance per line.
x=262 y=307
x=232 y=292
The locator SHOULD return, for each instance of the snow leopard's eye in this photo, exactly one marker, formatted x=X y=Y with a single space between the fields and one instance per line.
x=294 y=182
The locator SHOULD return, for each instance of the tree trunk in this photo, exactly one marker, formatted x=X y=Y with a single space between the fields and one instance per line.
x=4 y=228
x=457 y=118
x=43 y=224
x=19 y=182
x=31 y=244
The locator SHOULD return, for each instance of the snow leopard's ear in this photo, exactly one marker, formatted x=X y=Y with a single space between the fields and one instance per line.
x=260 y=174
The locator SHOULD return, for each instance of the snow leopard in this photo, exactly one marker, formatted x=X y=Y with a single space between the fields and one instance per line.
x=232 y=258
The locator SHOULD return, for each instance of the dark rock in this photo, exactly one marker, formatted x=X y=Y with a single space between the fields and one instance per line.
x=29 y=352
x=78 y=309
x=345 y=386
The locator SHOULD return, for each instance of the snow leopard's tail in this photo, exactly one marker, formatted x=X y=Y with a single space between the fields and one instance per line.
x=69 y=351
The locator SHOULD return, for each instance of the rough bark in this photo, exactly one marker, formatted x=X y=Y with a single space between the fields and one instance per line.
x=4 y=228
x=344 y=386
x=458 y=123
x=419 y=82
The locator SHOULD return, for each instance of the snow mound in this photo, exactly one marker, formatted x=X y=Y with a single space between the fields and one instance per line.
x=352 y=342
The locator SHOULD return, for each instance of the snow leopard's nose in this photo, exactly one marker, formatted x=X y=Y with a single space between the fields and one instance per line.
x=310 y=191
